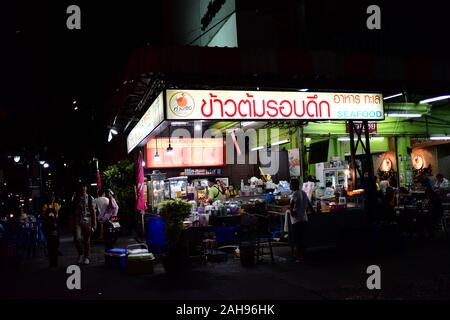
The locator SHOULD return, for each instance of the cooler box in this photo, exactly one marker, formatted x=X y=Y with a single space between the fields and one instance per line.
x=139 y=260
x=116 y=258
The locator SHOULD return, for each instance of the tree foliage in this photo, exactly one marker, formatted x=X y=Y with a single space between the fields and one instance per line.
x=174 y=211
x=121 y=178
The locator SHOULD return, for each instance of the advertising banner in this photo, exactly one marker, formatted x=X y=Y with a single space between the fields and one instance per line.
x=149 y=121
x=272 y=105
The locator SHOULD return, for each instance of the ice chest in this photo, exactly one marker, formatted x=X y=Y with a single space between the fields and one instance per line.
x=139 y=260
x=116 y=258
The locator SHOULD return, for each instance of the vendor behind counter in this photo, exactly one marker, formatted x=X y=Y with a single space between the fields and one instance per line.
x=215 y=191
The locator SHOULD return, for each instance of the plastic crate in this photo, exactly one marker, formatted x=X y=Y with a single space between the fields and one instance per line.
x=116 y=258
x=227 y=235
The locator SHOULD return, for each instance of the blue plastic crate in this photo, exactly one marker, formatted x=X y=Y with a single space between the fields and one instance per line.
x=227 y=235
x=116 y=258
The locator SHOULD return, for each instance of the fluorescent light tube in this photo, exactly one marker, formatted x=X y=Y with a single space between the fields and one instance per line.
x=404 y=115
x=348 y=138
x=393 y=96
x=434 y=99
x=440 y=138
x=280 y=142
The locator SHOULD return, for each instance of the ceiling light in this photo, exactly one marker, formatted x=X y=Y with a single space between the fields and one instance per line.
x=198 y=126
x=404 y=115
x=169 y=150
x=280 y=142
x=440 y=138
x=156 y=156
x=46 y=165
x=348 y=138
x=110 y=136
x=76 y=108
x=113 y=131
x=393 y=96
x=435 y=99
x=41 y=162
x=16 y=159
x=303 y=90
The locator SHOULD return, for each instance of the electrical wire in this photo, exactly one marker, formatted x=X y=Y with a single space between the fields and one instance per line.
x=216 y=24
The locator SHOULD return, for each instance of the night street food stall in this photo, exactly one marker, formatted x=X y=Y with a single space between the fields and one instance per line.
x=187 y=134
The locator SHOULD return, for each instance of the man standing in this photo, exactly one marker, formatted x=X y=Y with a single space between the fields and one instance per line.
x=214 y=191
x=101 y=203
x=299 y=218
x=85 y=222
x=441 y=182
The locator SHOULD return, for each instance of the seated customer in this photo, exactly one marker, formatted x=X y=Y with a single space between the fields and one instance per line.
x=329 y=190
x=441 y=182
x=388 y=213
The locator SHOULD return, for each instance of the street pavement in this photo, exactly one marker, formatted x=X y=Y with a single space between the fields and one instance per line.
x=420 y=271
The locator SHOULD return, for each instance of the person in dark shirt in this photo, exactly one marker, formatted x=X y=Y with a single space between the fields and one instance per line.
x=435 y=210
x=84 y=223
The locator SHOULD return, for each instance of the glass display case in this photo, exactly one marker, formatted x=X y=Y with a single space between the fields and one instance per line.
x=176 y=187
x=156 y=189
x=337 y=176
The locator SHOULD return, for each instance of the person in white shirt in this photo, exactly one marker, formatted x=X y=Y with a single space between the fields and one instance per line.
x=441 y=182
x=299 y=218
x=101 y=204
x=384 y=184
x=329 y=191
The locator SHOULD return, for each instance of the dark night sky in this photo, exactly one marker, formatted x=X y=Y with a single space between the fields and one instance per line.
x=44 y=67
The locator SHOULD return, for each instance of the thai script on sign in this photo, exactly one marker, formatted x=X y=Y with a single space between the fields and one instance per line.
x=267 y=105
